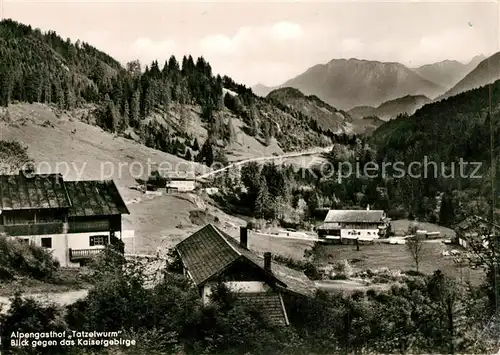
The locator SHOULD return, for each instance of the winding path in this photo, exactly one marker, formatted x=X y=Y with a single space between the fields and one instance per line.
x=314 y=151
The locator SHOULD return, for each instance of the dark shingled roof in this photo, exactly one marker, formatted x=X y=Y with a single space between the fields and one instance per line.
x=269 y=303
x=95 y=198
x=180 y=175
x=354 y=216
x=19 y=192
x=209 y=251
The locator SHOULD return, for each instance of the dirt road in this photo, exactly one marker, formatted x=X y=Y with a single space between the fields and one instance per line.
x=314 y=151
x=60 y=298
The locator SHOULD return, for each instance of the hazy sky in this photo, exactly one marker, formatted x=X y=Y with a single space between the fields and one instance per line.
x=270 y=42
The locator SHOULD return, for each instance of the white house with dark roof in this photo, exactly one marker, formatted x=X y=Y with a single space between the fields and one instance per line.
x=353 y=224
x=180 y=181
x=210 y=256
x=73 y=219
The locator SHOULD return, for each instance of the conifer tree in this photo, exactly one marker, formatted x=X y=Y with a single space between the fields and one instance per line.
x=125 y=116
x=262 y=200
x=207 y=154
x=196 y=145
x=231 y=132
x=135 y=108
x=446 y=212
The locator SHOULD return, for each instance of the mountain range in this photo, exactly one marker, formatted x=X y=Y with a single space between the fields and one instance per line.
x=167 y=107
x=447 y=73
x=353 y=83
x=486 y=72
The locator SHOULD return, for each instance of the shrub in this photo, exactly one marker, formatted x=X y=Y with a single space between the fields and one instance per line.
x=307 y=267
x=19 y=258
x=343 y=267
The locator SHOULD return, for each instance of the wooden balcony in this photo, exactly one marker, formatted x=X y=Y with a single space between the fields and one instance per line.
x=83 y=254
x=34 y=229
x=87 y=227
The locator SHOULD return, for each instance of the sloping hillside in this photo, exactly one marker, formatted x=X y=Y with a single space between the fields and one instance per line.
x=486 y=72
x=348 y=83
x=362 y=111
x=448 y=72
x=390 y=109
x=261 y=90
x=444 y=134
x=464 y=119
x=165 y=107
x=366 y=125
x=59 y=142
x=326 y=116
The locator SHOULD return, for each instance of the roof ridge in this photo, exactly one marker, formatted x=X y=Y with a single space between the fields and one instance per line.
x=220 y=233
x=360 y=210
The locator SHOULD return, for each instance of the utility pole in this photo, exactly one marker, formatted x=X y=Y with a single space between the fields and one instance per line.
x=493 y=237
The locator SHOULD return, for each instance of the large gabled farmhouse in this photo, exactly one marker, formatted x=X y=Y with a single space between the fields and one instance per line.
x=74 y=219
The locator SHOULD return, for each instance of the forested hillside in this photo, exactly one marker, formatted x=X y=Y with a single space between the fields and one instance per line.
x=390 y=109
x=445 y=133
x=167 y=106
x=327 y=117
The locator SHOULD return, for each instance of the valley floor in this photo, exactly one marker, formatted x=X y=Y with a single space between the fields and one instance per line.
x=163 y=221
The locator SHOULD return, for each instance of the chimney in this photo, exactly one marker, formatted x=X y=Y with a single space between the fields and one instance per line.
x=267 y=261
x=244 y=237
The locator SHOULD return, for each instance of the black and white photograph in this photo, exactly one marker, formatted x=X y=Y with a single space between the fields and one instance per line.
x=249 y=177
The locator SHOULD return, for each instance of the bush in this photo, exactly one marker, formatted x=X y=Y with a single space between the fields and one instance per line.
x=20 y=258
x=255 y=224
x=27 y=315
x=343 y=267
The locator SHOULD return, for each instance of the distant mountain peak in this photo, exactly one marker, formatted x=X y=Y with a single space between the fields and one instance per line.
x=482 y=72
x=261 y=90
x=346 y=83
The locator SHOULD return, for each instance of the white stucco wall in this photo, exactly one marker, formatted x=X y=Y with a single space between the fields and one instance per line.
x=61 y=243
x=236 y=286
x=182 y=185
x=59 y=247
x=82 y=240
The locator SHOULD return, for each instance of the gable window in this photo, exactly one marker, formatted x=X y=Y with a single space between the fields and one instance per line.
x=47 y=243
x=96 y=240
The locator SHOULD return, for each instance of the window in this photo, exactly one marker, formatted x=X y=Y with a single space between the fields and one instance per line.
x=96 y=240
x=47 y=243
